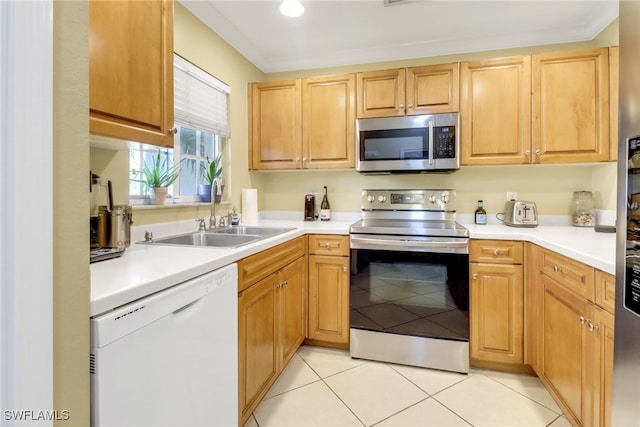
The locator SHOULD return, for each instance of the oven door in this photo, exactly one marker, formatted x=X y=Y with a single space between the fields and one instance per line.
x=410 y=304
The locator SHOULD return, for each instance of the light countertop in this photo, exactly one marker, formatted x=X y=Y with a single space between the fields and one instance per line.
x=146 y=269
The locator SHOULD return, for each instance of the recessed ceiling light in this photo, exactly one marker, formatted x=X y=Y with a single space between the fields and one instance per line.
x=291 y=8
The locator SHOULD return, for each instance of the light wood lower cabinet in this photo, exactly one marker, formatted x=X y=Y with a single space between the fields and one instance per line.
x=570 y=327
x=328 y=291
x=496 y=309
x=272 y=315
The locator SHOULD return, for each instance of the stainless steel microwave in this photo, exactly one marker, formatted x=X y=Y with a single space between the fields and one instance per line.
x=409 y=144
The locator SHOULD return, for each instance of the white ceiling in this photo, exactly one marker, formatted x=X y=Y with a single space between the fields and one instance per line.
x=342 y=32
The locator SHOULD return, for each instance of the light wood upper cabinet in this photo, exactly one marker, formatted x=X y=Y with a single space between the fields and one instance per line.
x=411 y=91
x=433 y=89
x=381 y=93
x=275 y=129
x=302 y=123
x=328 y=122
x=495 y=111
x=131 y=70
x=571 y=106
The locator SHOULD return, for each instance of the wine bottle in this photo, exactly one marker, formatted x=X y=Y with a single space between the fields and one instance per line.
x=481 y=214
x=325 y=208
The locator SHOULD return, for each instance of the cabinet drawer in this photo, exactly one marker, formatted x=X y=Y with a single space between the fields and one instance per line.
x=255 y=267
x=496 y=251
x=605 y=294
x=572 y=274
x=328 y=244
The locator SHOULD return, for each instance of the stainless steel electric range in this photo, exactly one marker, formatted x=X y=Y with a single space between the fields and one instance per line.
x=410 y=280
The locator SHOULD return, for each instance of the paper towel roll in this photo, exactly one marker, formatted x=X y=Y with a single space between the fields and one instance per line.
x=249 y=205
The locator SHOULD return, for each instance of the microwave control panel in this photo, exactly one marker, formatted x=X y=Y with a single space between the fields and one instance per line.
x=444 y=144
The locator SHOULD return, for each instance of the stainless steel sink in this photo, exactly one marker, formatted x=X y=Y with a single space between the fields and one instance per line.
x=251 y=230
x=205 y=239
x=228 y=237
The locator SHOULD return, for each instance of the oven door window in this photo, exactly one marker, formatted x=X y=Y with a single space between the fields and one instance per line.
x=397 y=144
x=410 y=293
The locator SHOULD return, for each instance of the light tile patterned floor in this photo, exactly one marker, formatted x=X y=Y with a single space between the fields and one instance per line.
x=326 y=388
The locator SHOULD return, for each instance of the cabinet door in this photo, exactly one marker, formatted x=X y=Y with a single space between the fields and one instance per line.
x=497 y=313
x=381 y=93
x=495 y=111
x=567 y=350
x=433 y=89
x=571 y=106
x=603 y=333
x=275 y=125
x=329 y=299
x=328 y=122
x=131 y=70
x=292 y=309
x=257 y=352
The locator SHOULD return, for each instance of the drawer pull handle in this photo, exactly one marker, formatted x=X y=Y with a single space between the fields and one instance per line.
x=327 y=245
x=496 y=252
x=557 y=269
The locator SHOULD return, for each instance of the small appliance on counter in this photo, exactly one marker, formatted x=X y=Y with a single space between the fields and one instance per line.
x=519 y=214
x=310 y=207
x=109 y=226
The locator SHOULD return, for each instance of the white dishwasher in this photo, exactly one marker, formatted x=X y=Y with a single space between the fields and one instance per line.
x=170 y=359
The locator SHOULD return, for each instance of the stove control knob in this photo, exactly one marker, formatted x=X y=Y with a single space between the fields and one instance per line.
x=382 y=199
x=371 y=198
x=445 y=197
x=432 y=198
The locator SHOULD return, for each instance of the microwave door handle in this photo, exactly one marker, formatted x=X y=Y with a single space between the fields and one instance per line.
x=431 y=143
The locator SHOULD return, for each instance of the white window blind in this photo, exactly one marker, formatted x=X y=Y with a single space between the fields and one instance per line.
x=200 y=100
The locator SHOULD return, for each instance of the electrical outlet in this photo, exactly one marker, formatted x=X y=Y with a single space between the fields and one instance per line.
x=512 y=195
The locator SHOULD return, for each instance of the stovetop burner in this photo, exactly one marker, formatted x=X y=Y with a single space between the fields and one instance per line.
x=409 y=213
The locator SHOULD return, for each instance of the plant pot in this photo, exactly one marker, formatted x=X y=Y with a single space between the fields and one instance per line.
x=204 y=191
x=158 y=195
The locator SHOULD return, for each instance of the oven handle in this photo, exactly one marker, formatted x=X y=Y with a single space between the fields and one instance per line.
x=457 y=246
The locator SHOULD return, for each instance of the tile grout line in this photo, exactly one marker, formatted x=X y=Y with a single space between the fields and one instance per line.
x=523 y=395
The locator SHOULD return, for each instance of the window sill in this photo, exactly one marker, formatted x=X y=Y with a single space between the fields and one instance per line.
x=176 y=205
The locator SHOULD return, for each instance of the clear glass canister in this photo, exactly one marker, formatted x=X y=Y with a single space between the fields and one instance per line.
x=583 y=213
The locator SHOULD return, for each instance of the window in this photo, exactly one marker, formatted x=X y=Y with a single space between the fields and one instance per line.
x=202 y=120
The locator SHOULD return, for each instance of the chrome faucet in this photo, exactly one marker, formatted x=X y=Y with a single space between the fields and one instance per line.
x=215 y=190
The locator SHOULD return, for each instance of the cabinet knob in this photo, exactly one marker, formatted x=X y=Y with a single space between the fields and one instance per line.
x=557 y=268
x=172 y=131
x=496 y=252
x=527 y=153
x=344 y=269
x=474 y=277
x=410 y=106
x=327 y=245
x=582 y=320
x=592 y=327
x=537 y=152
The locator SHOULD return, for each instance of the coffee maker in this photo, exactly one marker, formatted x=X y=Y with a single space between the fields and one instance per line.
x=309 y=207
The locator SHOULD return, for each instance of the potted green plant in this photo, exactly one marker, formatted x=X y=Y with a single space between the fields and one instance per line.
x=158 y=177
x=212 y=172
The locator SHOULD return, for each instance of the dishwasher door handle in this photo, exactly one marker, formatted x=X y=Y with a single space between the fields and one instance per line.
x=186 y=306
